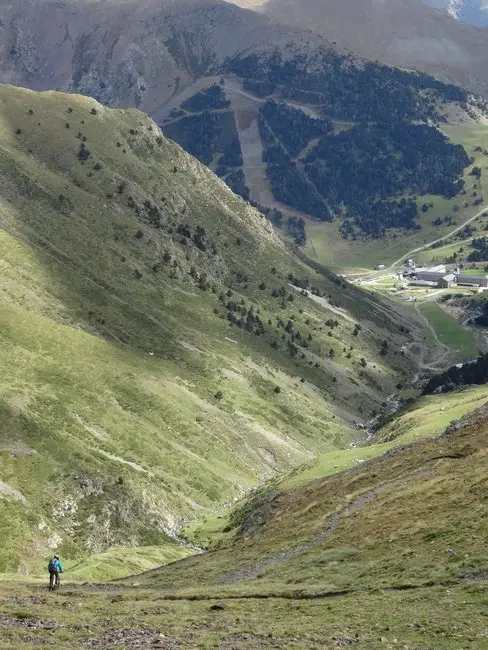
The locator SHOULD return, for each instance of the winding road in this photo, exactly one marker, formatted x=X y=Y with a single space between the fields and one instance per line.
x=436 y=241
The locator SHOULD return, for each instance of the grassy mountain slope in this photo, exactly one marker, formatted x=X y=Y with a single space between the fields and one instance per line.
x=156 y=360
x=426 y=417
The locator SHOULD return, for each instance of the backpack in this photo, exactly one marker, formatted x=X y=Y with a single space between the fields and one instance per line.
x=52 y=565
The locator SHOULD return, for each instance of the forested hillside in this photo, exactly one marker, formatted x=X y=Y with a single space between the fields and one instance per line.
x=345 y=87
x=358 y=172
x=341 y=139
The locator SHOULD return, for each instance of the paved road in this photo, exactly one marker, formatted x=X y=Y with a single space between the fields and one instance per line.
x=436 y=241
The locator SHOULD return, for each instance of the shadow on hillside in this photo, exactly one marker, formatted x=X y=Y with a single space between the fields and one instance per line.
x=81 y=243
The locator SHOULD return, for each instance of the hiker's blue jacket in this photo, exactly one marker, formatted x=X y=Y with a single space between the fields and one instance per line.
x=57 y=565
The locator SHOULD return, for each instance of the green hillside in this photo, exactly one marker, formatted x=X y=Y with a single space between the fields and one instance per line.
x=362 y=554
x=156 y=360
x=425 y=417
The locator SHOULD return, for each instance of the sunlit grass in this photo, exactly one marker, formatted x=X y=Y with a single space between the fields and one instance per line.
x=450 y=332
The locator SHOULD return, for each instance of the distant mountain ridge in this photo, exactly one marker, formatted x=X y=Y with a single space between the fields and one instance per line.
x=124 y=53
x=407 y=33
x=473 y=12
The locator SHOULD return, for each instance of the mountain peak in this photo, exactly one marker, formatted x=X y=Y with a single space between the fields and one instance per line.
x=473 y=12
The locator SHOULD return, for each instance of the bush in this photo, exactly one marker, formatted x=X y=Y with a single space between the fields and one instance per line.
x=83 y=153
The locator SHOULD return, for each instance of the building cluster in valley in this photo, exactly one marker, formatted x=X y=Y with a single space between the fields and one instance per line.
x=438 y=276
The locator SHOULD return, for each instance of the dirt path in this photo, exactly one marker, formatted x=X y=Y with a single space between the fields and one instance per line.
x=326 y=305
x=306 y=177
x=235 y=86
x=458 y=242
x=194 y=114
x=253 y=570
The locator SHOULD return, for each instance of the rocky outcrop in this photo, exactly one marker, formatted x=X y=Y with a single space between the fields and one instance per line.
x=125 y=53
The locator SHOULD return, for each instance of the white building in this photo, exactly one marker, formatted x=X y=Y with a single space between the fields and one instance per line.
x=440 y=268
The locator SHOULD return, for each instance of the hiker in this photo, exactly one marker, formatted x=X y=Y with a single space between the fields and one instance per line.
x=55 y=568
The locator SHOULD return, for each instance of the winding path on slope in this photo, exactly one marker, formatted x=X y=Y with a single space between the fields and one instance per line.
x=234 y=85
x=363 y=499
